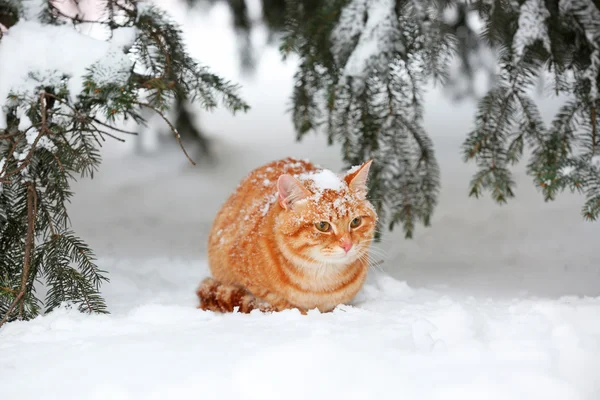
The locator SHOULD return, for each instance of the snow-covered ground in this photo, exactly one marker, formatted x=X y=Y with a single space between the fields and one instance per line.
x=491 y=302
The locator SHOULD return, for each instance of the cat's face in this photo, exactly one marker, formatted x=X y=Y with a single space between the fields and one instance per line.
x=326 y=219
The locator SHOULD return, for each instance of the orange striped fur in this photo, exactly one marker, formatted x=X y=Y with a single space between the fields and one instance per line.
x=291 y=236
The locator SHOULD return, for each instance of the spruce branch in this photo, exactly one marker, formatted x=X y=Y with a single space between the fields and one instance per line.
x=29 y=246
x=363 y=67
x=53 y=135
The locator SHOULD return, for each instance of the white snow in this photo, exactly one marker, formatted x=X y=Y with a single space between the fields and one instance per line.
x=491 y=302
x=568 y=170
x=532 y=26
x=397 y=342
x=124 y=37
x=324 y=179
x=269 y=200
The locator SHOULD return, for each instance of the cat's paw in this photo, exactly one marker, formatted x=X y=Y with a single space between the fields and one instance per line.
x=277 y=304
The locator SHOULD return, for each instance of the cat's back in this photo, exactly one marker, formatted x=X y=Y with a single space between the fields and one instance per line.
x=238 y=222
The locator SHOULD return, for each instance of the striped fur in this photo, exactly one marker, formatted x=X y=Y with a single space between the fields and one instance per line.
x=265 y=251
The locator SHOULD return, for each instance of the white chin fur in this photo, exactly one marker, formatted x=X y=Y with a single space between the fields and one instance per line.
x=337 y=258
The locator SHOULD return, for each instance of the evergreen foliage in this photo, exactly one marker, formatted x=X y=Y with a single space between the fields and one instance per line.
x=51 y=136
x=564 y=39
x=365 y=64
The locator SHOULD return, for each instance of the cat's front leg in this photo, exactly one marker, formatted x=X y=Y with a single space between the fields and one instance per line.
x=276 y=302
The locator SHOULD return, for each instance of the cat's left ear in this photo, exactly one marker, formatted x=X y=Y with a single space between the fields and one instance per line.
x=356 y=179
x=290 y=190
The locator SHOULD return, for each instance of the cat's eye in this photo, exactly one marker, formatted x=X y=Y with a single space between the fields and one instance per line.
x=323 y=226
x=356 y=222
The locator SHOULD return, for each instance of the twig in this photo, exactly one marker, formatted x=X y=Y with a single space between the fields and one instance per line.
x=11 y=308
x=27 y=159
x=49 y=220
x=177 y=135
x=87 y=118
x=7 y=289
x=43 y=131
x=29 y=244
x=87 y=301
x=167 y=70
x=101 y=132
x=113 y=127
x=10 y=135
x=594 y=133
x=59 y=163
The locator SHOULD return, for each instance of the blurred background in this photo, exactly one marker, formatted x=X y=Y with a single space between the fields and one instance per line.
x=148 y=202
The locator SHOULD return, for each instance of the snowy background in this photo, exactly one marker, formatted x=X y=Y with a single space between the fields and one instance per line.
x=493 y=302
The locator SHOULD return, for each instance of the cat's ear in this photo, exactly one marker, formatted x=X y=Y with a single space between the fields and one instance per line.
x=356 y=179
x=290 y=190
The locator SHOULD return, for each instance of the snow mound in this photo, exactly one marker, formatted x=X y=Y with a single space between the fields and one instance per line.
x=397 y=342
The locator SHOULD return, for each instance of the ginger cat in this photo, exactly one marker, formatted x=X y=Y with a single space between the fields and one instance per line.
x=291 y=236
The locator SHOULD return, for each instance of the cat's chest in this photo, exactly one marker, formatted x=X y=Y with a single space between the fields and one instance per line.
x=325 y=289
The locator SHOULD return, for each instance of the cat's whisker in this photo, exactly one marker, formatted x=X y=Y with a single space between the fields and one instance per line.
x=380 y=258
x=379 y=252
x=365 y=258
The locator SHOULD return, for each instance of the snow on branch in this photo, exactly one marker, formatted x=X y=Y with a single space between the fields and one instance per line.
x=23 y=72
x=373 y=25
x=532 y=27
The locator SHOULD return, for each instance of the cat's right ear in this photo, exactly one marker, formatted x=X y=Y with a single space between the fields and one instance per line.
x=357 y=179
x=290 y=190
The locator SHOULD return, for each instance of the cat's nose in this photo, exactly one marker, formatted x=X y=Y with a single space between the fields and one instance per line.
x=346 y=245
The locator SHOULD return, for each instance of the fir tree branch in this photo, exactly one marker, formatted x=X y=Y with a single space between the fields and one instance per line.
x=29 y=245
x=53 y=134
